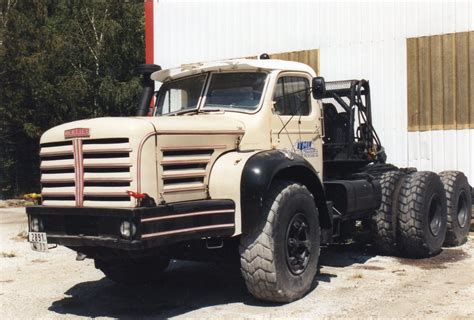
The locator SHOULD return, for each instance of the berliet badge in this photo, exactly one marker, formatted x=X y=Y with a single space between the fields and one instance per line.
x=77 y=133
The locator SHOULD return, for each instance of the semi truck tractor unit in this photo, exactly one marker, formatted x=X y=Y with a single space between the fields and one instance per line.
x=260 y=159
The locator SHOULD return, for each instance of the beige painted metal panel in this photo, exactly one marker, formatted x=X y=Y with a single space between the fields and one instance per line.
x=436 y=57
x=439 y=80
x=462 y=81
x=449 y=81
x=471 y=76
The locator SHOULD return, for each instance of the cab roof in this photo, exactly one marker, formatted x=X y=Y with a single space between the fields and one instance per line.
x=230 y=65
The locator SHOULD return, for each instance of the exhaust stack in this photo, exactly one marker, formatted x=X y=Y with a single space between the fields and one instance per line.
x=148 y=88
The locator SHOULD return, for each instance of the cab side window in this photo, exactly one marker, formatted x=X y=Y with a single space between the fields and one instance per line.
x=292 y=96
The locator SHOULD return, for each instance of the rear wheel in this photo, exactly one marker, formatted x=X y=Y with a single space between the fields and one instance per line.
x=422 y=214
x=133 y=271
x=384 y=221
x=279 y=255
x=459 y=204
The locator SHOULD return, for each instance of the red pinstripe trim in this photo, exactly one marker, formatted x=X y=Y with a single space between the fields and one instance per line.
x=164 y=233
x=78 y=172
x=190 y=214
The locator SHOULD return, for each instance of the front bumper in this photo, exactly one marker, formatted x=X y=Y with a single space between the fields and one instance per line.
x=155 y=227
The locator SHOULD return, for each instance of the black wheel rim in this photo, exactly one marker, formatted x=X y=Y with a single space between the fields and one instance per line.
x=462 y=209
x=435 y=215
x=298 y=244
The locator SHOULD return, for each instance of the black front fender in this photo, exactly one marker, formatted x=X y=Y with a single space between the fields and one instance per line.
x=267 y=166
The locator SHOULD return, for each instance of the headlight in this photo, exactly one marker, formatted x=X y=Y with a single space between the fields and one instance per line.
x=127 y=229
x=36 y=225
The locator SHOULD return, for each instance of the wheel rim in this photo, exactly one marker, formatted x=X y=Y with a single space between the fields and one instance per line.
x=462 y=208
x=435 y=215
x=298 y=244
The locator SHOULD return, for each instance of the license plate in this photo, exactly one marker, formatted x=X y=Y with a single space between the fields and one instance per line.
x=38 y=240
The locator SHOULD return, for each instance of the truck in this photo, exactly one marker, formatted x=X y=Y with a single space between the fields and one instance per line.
x=257 y=159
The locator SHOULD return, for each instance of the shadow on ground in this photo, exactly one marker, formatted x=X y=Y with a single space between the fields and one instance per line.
x=187 y=286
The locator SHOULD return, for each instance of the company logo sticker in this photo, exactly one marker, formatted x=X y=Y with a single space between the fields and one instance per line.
x=77 y=133
x=307 y=149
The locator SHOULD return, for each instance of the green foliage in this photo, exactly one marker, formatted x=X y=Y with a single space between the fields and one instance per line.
x=61 y=61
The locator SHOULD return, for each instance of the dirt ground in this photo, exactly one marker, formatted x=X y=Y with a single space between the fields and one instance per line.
x=353 y=282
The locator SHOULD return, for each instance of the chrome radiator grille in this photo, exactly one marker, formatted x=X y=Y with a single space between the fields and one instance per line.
x=95 y=172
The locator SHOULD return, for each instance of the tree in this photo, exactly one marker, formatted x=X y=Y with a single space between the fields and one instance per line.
x=62 y=61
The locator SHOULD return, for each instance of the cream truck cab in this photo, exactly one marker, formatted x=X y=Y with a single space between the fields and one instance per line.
x=236 y=154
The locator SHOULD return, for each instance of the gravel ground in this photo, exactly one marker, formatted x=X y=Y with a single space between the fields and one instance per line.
x=353 y=283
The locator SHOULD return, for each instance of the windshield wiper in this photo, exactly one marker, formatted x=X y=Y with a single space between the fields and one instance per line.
x=181 y=112
x=207 y=110
x=196 y=111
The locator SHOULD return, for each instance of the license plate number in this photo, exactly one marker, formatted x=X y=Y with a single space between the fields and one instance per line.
x=38 y=241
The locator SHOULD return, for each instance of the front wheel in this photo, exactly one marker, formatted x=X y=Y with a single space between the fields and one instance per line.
x=279 y=255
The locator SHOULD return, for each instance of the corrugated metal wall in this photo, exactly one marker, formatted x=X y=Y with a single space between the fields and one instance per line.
x=440 y=82
x=355 y=39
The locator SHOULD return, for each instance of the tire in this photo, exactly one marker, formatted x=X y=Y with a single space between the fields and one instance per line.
x=422 y=214
x=279 y=255
x=384 y=221
x=133 y=271
x=459 y=204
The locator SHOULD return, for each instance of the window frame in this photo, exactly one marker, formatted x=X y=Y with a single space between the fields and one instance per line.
x=204 y=91
x=159 y=92
x=293 y=74
x=238 y=110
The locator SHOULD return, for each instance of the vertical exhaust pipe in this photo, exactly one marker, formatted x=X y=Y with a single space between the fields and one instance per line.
x=148 y=88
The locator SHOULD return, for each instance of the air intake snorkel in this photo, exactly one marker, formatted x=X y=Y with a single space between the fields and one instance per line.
x=148 y=88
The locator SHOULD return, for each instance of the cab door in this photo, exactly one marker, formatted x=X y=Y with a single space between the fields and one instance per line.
x=296 y=122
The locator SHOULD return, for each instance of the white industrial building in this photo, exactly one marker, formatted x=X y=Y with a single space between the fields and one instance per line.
x=418 y=57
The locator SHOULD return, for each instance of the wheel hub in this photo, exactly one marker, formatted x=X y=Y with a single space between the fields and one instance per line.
x=462 y=210
x=435 y=215
x=298 y=244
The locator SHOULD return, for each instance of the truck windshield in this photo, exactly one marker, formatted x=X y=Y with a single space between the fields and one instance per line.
x=235 y=90
x=229 y=90
x=179 y=95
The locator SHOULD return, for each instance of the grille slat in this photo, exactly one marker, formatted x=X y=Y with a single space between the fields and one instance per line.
x=56 y=164
x=55 y=151
x=94 y=172
x=47 y=177
x=185 y=169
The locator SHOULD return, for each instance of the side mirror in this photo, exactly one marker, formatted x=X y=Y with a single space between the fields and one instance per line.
x=319 y=88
